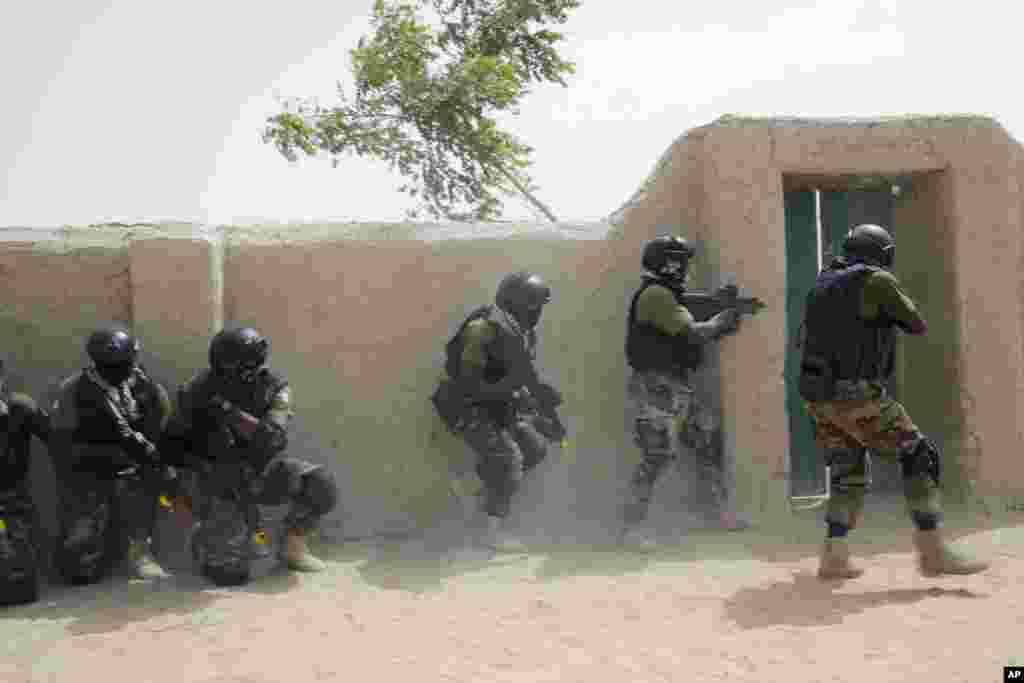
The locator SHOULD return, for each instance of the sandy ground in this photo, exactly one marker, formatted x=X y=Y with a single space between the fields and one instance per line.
x=718 y=607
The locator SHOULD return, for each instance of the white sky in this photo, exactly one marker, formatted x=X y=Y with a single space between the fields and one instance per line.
x=135 y=110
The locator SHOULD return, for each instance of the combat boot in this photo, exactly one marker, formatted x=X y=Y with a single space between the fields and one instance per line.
x=297 y=555
x=635 y=538
x=141 y=562
x=935 y=558
x=500 y=540
x=835 y=561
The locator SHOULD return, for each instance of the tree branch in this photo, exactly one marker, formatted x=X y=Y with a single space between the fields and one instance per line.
x=526 y=193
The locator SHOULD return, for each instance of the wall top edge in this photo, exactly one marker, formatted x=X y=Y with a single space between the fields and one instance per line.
x=113 y=236
x=897 y=120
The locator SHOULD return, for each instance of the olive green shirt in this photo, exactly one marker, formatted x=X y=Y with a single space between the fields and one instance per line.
x=882 y=294
x=476 y=337
x=657 y=306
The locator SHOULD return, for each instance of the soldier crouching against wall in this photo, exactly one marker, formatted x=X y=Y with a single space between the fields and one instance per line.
x=664 y=346
x=106 y=422
x=20 y=420
x=850 y=324
x=234 y=417
x=492 y=393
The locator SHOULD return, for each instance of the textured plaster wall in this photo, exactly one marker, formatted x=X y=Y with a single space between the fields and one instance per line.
x=358 y=315
x=931 y=371
x=50 y=296
x=967 y=225
x=360 y=330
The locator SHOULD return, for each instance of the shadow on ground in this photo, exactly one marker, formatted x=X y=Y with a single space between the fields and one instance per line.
x=807 y=601
x=429 y=560
x=119 y=601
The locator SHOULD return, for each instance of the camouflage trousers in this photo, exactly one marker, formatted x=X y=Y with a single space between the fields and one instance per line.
x=846 y=429
x=231 y=495
x=506 y=445
x=668 y=417
x=19 y=547
x=101 y=513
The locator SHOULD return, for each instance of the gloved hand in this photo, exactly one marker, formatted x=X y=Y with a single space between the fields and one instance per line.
x=728 y=321
x=727 y=292
x=142 y=450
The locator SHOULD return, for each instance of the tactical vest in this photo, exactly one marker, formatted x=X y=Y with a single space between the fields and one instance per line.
x=508 y=350
x=837 y=339
x=254 y=397
x=95 y=425
x=648 y=348
x=15 y=444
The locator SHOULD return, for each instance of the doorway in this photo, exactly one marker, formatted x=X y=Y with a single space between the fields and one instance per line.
x=818 y=214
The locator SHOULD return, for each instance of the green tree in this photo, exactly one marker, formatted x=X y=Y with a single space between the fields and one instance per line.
x=425 y=96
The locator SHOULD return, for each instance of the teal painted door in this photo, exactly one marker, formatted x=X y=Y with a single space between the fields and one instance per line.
x=801 y=270
x=835 y=222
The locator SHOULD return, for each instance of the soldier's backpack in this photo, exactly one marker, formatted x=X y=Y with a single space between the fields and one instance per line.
x=447 y=399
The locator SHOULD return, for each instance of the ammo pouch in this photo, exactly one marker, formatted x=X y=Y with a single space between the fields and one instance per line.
x=816 y=381
x=450 y=406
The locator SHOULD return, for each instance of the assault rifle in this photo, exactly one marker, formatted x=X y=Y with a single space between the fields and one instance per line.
x=706 y=305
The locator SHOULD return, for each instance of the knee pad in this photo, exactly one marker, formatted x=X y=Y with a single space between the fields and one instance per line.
x=922 y=457
x=319 y=491
x=652 y=436
x=224 y=576
x=84 y=566
x=20 y=591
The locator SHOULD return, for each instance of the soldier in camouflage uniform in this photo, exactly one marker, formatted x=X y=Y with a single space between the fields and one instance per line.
x=850 y=324
x=233 y=418
x=664 y=346
x=106 y=422
x=491 y=370
x=20 y=420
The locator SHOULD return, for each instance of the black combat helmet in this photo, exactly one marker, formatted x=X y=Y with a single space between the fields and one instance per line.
x=661 y=253
x=870 y=243
x=238 y=353
x=114 y=352
x=523 y=296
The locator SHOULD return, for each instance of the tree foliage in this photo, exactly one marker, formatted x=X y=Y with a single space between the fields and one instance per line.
x=425 y=99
